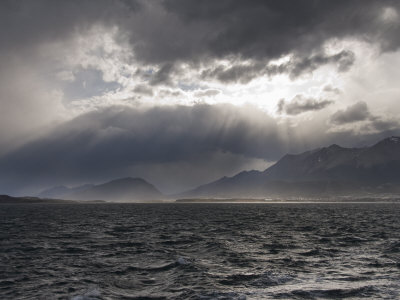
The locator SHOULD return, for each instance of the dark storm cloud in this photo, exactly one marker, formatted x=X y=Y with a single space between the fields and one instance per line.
x=199 y=32
x=299 y=105
x=196 y=32
x=25 y=24
x=245 y=72
x=359 y=112
x=354 y=113
x=109 y=140
x=163 y=76
x=163 y=134
x=380 y=124
x=343 y=60
x=268 y=29
x=242 y=73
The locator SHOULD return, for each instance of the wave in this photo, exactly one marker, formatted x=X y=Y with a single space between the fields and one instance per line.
x=92 y=293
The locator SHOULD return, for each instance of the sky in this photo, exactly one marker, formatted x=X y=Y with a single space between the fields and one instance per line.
x=183 y=92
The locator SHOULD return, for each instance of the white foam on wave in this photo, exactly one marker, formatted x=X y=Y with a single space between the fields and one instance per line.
x=91 y=294
x=183 y=261
x=279 y=278
x=220 y=295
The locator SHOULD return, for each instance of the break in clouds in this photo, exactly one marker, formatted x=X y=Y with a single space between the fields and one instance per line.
x=184 y=92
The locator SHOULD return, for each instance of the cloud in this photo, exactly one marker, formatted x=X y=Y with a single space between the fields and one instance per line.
x=35 y=43
x=111 y=52
x=354 y=113
x=109 y=141
x=380 y=124
x=359 y=119
x=27 y=25
x=299 y=104
x=121 y=141
x=343 y=60
x=169 y=32
x=268 y=30
x=207 y=93
x=251 y=34
x=163 y=75
x=244 y=72
x=170 y=93
x=255 y=31
x=330 y=89
x=143 y=90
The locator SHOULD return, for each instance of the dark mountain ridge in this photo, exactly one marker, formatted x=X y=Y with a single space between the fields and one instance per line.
x=119 y=190
x=61 y=190
x=327 y=171
x=6 y=199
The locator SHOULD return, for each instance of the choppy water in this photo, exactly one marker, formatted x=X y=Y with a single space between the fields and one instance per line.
x=200 y=251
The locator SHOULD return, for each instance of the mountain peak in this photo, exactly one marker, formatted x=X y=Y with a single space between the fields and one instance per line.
x=394 y=139
x=332 y=170
x=335 y=147
x=128 y=180
x=124 y=189
x=388 y=142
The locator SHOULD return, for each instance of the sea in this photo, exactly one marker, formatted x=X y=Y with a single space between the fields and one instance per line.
x=200 y=251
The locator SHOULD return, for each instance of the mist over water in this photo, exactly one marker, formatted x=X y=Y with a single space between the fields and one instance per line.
x=200 y=251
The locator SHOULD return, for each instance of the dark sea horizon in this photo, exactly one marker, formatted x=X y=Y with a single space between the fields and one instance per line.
x=200 y=251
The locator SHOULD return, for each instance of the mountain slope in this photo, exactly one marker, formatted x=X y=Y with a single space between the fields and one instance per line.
x=6 y=199
x=61 y=191
x=120 y=190
x=326 y=171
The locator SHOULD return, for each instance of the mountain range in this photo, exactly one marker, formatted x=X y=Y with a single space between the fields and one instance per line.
x=323 y=172
x=327 y=171
x=119 y=190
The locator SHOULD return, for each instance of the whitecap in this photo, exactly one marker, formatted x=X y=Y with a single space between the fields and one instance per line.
x=183 y=261
x=91 y=294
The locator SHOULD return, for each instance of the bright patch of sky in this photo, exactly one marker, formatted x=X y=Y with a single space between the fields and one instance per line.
x=100 y=70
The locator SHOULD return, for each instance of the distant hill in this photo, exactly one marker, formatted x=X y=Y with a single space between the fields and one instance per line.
x=61 y=191
x=119 y=190
x=327 y=171
x=6 y=199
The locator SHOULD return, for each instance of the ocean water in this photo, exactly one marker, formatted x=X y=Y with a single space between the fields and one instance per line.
x=200 y=251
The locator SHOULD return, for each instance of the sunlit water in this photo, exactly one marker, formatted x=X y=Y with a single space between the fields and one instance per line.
x=200 y=251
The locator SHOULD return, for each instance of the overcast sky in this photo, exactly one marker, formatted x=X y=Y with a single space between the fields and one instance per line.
x=184 y=92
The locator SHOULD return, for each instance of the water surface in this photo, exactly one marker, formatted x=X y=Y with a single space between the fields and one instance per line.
x=200 y=251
